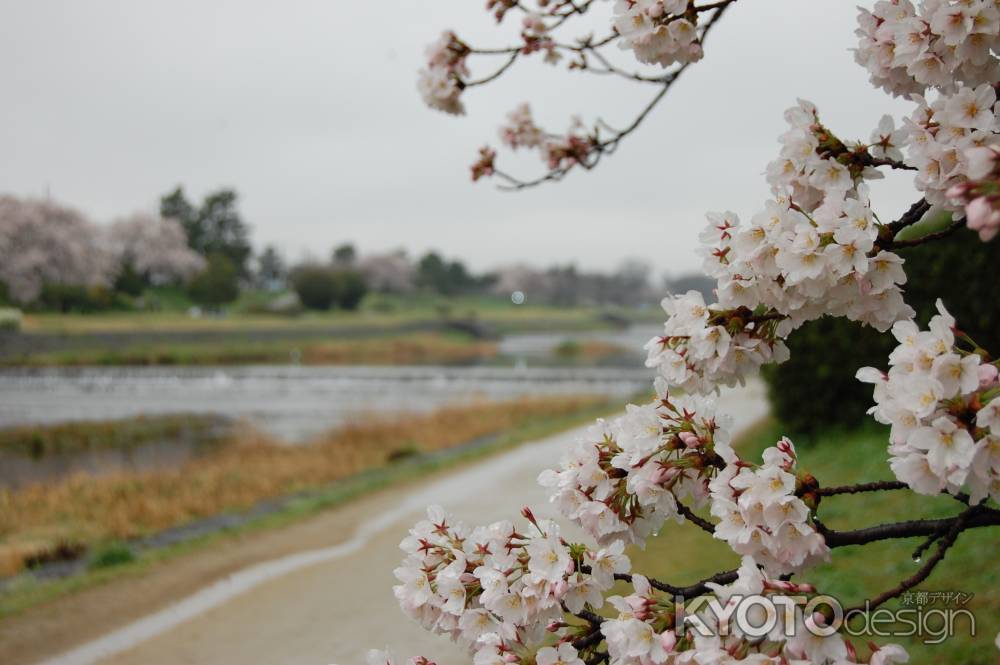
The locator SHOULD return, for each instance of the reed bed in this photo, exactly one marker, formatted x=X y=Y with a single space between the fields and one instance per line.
x=251 y=467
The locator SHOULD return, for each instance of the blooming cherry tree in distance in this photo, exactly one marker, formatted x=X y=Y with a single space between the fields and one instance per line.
x=519 y=593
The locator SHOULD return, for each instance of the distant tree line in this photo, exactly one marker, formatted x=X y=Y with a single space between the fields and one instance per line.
x=53 y=258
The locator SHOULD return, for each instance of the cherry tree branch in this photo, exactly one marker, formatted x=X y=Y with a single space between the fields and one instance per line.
x=878 y=486
x=959 y=524
x=495 y=75
x=982 y=517
x=930 y=237
x=607 y=146
x=700 y=522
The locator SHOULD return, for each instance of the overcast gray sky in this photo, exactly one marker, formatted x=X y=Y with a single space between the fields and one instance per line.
x=309 y=109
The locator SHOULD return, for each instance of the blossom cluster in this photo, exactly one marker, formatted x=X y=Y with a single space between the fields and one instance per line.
x=557 y=151
x=814 y=165
x=484 y=166
x=521 y=130
x=646 y=631
x=624 y=478
x=943 y=404
x=941 y=134
x=813 y=249
x=706 y=346
x=440 y=83
x=493 y=588
x=657 y=31
x=761 y=516
x=979 y=196
x=805 y=265
x=940 y=43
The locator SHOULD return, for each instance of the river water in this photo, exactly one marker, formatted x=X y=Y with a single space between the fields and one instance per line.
x=295 y=402
x=291 y=402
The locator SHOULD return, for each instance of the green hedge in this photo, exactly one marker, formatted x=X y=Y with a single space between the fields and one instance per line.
x=816 y=387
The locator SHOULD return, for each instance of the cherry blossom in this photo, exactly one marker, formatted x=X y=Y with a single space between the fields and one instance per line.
x=907 y=49
x=931 y=398
x=657 y=31
x=625 y=477
x=440 y=82
x=761 y=516
x=44 y=243
x=980 y=194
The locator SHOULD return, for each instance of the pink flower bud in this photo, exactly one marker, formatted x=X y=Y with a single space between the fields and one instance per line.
x=978 y=212
x=421 y=660
x=815 y=622
x=987 y=376
x=665 y=474
x=958 y=191
x=655 y=10
x=669 y=640
x=690 y=439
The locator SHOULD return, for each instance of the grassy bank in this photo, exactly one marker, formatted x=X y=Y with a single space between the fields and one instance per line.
x=684 y=554
x=40 y=440
x=28 y=592
x=80 y=511
x=382 y=310
x=410 y=349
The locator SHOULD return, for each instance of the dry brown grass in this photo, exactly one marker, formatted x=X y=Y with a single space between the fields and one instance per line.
x=254 y=467
x=410 y=349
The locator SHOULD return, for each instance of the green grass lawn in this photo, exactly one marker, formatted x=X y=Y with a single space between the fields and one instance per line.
x=376 y=310
x=684 y=554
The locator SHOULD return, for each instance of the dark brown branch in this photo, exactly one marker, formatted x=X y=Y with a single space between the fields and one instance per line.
x=689 y=515
x=946 y=541
x=930 y=237
x=891 y=163
x=696 y=589
x=916 y=212
x=878 y=486
x=982 y=517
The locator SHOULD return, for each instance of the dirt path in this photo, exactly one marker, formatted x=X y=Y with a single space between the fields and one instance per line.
x=317 y=592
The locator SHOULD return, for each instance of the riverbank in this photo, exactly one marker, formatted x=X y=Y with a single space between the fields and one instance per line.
x=70 y=516
x=318 y=591
x=517 y=422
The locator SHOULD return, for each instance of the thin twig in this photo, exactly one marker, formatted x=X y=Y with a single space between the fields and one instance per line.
x=495 y=75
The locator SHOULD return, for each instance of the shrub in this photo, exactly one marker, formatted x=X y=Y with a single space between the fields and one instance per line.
x=217 y=284
x=351 y=288
x=816 y=387
x=79 y=299
x=316 y=286
x=323 y=287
